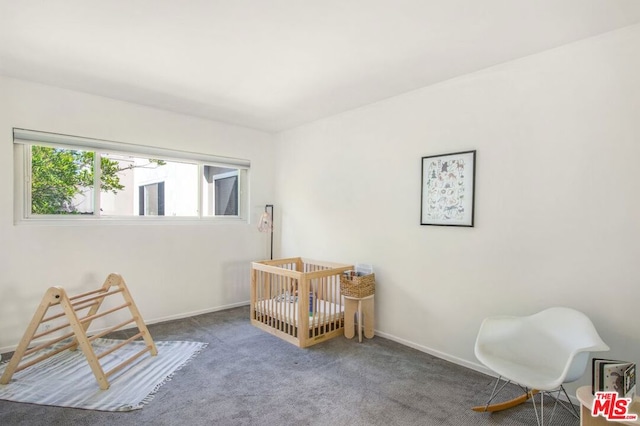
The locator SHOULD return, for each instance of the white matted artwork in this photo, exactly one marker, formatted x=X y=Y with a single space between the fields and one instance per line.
x=448 y=186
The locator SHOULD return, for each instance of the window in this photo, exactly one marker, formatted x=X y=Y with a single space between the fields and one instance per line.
x=221 y=191
x=65 y=176
x=152 y=199
x=226 y=196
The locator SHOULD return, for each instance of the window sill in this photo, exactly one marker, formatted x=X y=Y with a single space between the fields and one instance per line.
x=128 y=221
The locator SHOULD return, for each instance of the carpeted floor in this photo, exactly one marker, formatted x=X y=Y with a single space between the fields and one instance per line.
x=248 y=377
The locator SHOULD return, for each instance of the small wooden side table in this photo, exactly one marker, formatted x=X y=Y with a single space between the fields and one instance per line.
x=586 y=405
x=361 y=306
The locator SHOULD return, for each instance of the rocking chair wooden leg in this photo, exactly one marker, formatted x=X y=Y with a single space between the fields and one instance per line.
x=507 y=404
x=489 y=407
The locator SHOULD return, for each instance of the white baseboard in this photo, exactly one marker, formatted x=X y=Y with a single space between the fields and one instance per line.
x=154 y=321
x=195 y=313
x=455 y=360
x=438 y=354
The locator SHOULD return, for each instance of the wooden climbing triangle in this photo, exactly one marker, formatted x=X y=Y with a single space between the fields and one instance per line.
x=77 y=314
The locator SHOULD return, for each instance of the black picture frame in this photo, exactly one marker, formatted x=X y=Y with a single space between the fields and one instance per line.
x=448 y=189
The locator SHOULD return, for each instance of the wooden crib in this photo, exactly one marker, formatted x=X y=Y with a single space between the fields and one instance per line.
x=298 y=299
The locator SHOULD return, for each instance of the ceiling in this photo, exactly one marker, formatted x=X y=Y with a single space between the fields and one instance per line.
x=276 y=64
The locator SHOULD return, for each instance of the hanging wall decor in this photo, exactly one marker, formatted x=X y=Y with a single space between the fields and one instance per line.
x=448 y=186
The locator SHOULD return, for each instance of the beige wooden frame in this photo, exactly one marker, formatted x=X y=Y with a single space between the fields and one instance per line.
x=71 y=306
x=270 y=278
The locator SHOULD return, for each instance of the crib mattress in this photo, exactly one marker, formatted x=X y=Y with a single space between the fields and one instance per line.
x=286 y=309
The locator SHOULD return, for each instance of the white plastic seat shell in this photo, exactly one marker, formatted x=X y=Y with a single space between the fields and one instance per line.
x=540 y=351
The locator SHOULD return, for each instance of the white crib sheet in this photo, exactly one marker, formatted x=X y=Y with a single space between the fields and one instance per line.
x=286 y=309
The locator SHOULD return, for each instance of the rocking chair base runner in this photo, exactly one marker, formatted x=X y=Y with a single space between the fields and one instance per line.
x=490 y=408
x=538 y=407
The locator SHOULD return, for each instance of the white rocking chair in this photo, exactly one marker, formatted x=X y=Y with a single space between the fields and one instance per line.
x=539 y=352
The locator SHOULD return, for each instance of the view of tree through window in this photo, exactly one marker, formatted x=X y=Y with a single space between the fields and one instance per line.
x=62 y=180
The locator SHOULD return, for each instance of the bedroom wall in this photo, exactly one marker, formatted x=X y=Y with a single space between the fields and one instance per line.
x=557 y=136
x=172 y=270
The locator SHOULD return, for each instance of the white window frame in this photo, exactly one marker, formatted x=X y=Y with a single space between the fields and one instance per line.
x=24 y=139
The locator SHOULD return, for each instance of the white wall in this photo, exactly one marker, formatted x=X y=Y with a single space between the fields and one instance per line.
x=172 y=270
x=557 y=203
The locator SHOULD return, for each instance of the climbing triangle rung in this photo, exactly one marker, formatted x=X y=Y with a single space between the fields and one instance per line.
x=100 y=296
x=127 y=362
x=47 y=344
x=118 y=346
x=90 y=318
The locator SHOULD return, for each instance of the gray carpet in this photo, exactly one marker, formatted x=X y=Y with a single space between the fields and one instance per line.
x=248 y=377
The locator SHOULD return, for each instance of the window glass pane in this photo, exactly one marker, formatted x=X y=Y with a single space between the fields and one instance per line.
x=220 y=191
x=226 y=190
x=148 y=187
x=61 y=181
x=151 y=201
x=116 y=195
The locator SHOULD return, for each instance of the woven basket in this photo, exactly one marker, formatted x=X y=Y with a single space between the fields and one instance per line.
x=358 y=286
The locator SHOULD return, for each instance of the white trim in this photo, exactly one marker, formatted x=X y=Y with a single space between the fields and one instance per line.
x=199 y=312
x=25 y=136
x=455 y=360
x=97 y=178
x=438 y=354
x=89 y=220
x=157 y=320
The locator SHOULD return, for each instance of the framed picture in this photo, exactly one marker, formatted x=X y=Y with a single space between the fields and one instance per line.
x=448 y=186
